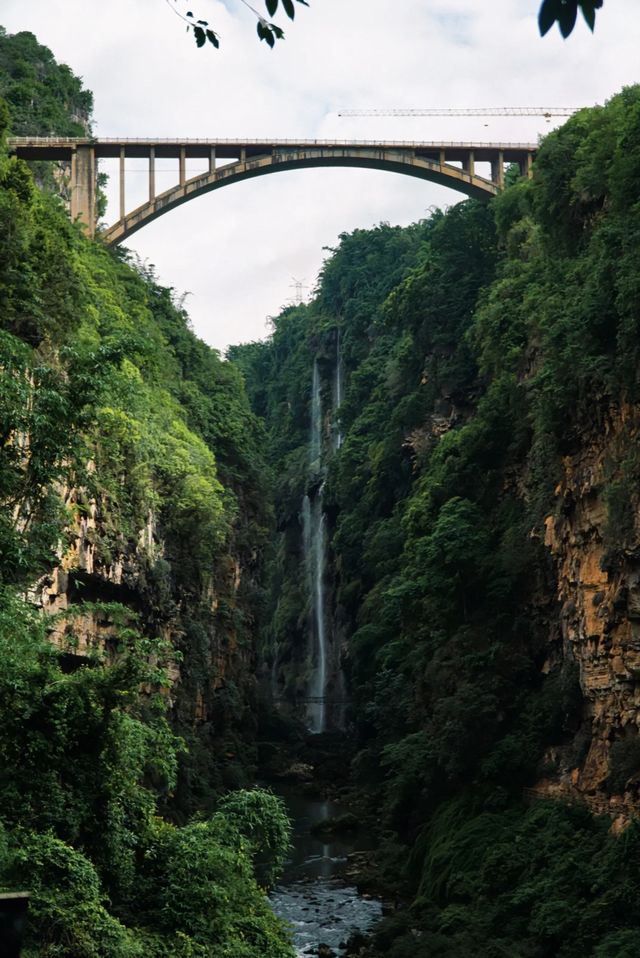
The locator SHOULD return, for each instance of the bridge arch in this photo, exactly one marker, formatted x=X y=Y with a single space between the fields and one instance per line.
x=302 y=159
x=448 y=164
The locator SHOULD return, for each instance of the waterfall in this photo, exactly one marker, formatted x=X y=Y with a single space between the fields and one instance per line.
x=317 y=689
x=314 y=546
x=326 y=673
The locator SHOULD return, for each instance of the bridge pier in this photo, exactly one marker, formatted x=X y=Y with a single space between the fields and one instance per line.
x=529 y=166
x=497 y=169
x=152 y=174
x=123 y=205
x=83 y=187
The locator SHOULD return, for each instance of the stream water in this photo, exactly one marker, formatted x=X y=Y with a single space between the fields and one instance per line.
x=321 y=907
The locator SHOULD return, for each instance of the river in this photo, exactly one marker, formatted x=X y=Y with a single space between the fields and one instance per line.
x=321 y=907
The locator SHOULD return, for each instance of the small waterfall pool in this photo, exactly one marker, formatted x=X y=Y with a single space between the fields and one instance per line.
x=321 y=907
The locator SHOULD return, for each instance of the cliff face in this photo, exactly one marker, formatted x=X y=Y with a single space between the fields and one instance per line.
x=140 y=484
x=598 y=571
x=136 y=574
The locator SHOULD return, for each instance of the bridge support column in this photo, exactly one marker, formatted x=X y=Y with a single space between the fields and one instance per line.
x=183 y=166
x=469 y=163
x=497 y=169
x=122 y=178
x=152 y=174
x=83 y=188
x=212 y=159
x=529 y=166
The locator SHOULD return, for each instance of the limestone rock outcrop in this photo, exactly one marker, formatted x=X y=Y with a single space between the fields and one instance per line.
x=596 y=549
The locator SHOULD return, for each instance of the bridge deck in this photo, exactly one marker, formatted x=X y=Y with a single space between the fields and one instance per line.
x=38 y=147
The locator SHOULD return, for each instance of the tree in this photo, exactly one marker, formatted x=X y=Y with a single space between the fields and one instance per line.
x=266 y=28
x=565 y=12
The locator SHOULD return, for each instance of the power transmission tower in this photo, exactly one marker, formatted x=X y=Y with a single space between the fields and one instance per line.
x=298 y=296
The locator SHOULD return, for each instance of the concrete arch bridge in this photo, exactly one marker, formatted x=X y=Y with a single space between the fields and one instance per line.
x=228 y=161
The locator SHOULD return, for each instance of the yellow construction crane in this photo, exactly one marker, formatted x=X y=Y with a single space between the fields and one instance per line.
x=546 y=111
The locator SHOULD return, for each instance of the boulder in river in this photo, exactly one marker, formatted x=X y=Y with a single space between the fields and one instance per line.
x=298 y=772
x=356 y=943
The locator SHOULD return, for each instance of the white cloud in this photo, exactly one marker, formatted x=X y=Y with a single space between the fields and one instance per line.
x=237 y=249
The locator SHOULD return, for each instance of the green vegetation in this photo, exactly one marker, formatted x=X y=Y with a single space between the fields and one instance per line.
x=480 y=347
x=132 y=500
x=497 y=882
x=44 y=96
x=86 y=755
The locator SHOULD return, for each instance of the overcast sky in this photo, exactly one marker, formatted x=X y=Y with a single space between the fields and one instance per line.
x=237 y=250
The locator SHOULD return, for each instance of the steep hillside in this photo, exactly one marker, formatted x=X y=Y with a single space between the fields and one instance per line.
x=480 y=536
x=45 y=97
x=132 y=521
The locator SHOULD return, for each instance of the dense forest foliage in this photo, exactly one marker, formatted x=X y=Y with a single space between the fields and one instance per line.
x=131 y=490
x=480 y=348
x=45 y=97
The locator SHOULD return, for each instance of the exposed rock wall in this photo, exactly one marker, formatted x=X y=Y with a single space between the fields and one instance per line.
x=90 y=568
x=598 y=575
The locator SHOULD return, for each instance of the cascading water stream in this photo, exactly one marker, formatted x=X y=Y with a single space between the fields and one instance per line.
x=319 y=676
x=325 y=671
x=314 y=544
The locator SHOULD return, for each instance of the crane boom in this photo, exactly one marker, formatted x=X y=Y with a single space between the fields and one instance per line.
x=546 y=111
